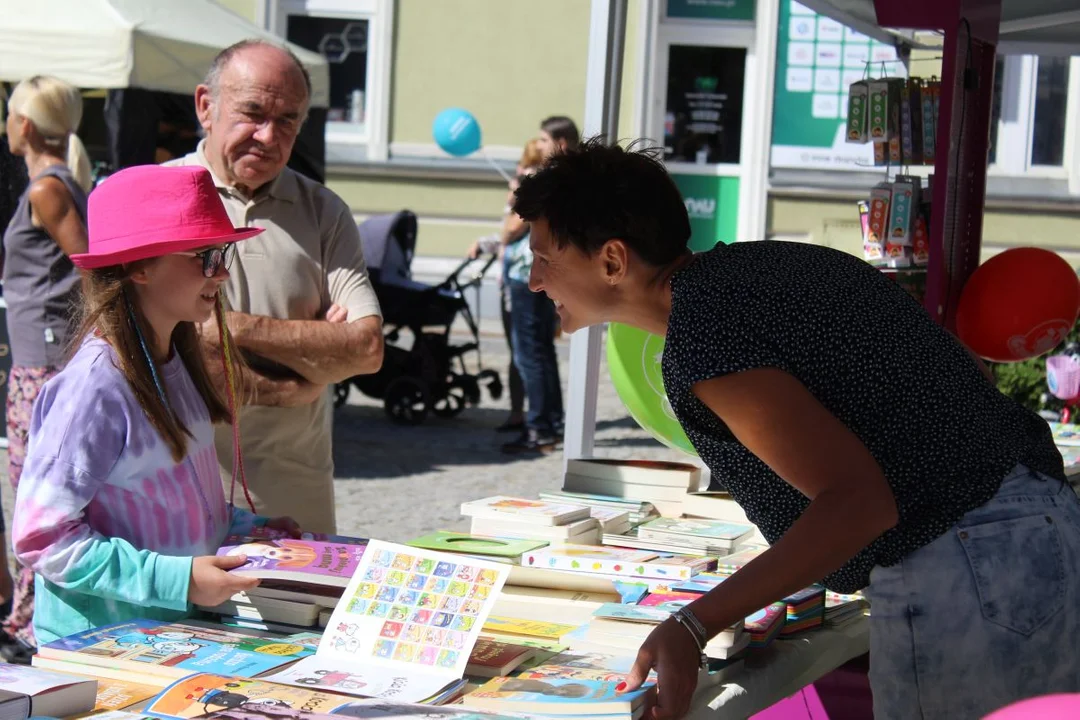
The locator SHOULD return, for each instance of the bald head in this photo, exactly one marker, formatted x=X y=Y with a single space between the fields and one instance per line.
x=283 y=61
x=251 y=106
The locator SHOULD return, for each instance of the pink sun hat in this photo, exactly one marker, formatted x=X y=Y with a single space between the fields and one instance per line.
x=148 y=211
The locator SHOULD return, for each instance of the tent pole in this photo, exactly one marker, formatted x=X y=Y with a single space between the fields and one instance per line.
x=603 y=83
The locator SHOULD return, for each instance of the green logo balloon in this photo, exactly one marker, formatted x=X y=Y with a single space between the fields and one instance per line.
x=634 y=360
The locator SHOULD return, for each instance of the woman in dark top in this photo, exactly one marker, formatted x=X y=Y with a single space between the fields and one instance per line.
x=867 y=444
x=40 y=282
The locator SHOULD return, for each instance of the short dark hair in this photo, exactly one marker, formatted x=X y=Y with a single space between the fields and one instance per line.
x=223 y=58
x=599 y=192
x=560 y=127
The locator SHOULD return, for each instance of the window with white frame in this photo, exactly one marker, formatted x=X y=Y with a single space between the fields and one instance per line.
x=1032 y=112
x=354 y=36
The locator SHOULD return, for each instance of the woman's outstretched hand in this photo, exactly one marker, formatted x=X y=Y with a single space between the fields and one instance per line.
x=672 y=652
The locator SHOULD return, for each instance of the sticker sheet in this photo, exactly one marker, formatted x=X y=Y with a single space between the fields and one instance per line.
x=407 y=612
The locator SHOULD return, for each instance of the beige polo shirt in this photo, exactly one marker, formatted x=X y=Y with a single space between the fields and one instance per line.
x=308 y=258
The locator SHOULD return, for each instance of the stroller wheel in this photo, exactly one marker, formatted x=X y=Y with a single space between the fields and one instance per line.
x=341 y=393
x=406 y=401
x=451 y=404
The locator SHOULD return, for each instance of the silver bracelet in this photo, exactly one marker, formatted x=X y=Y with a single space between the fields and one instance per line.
x=699 y=639
x=690 y=617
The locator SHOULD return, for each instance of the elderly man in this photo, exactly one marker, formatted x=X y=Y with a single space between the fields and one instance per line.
x=301 y=307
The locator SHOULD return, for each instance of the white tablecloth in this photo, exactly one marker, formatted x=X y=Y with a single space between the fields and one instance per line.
x=782 y=669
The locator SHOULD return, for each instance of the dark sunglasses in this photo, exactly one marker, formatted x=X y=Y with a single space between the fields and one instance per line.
x=214 y=258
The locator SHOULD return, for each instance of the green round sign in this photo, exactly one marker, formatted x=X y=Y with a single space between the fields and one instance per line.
x=634 y=361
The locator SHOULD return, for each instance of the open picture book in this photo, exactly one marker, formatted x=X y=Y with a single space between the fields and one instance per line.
x=405 y=627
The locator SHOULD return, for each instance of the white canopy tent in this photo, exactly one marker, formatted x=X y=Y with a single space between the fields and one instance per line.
x=164 y=45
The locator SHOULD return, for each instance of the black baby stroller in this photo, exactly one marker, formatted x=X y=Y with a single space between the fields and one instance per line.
x=429 y=374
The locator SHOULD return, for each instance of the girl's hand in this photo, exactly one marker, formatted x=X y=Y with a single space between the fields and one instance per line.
x=284 y=524
x=212 y=584
x=671 y=650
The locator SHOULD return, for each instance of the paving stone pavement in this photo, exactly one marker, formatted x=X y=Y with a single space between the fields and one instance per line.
x=396 y=483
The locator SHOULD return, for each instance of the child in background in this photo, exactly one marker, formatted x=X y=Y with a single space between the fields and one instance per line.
x=121 y=507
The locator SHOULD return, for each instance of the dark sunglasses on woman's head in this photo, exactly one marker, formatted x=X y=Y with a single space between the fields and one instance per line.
x=214 y=259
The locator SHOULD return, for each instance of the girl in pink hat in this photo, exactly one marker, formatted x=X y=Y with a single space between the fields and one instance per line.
x=121 y=509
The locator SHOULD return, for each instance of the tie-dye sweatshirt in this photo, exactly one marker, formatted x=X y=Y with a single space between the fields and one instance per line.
x=104 y=515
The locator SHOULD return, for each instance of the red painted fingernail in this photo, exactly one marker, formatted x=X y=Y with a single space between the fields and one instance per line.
x=620 y=687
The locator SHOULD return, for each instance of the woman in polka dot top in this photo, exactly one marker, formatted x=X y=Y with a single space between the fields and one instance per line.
x=864 y=440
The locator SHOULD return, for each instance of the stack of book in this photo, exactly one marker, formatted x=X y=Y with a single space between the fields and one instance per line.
x=625 y=627
x=301 y=581
x=805 y=610
x=520 y=518
x=686 y=536
x=719 y=505
x=638 y=511
x=663 y=484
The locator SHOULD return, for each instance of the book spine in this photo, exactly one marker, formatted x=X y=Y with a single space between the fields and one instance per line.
x=690 y=478
x=618 y=488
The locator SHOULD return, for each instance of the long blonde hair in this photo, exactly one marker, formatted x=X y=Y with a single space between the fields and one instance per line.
x=55 y=109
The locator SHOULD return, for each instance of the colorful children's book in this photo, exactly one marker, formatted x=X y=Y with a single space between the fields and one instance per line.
x=668 y=601
x=301 y=561
x=405 y=627
x=615 y=561
x=700 y=583
x=493 y=659
x=766 y=624
x=154 y=652
x=470 y=544
x=560 y=696
x=518 y=627
x=202 y=693
x=26 y=692
x=533 y=512
x=364 y=709
x=266 y=533
x=117 y=694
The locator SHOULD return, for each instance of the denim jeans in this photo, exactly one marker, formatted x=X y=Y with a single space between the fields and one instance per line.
x=985 y=615
x=533 y=328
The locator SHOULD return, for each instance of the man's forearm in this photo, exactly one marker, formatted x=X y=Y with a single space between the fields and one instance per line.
x=321 y=352
x=260 y=389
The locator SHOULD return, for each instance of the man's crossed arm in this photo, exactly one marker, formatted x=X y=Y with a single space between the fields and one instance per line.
x=317 y=352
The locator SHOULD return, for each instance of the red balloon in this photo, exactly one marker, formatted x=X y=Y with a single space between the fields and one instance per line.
x=1018 y=305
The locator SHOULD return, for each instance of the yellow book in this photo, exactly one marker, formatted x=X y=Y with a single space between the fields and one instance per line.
x=519 y=627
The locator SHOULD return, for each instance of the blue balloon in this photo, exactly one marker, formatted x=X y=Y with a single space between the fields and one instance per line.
x=457 y=132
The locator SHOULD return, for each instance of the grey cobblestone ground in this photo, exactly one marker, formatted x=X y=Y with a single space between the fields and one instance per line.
x=396 y=483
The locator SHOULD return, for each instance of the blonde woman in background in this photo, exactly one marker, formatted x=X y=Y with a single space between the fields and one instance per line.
x=40 y=282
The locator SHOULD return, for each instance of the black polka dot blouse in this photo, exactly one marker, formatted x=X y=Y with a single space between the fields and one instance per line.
x=943 y=435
